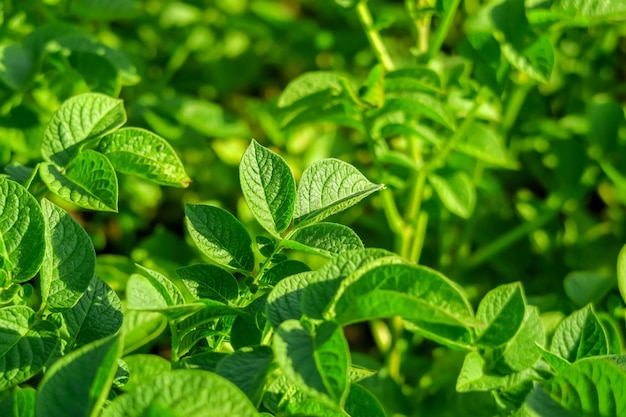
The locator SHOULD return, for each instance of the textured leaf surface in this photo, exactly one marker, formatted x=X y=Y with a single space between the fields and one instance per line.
x=96 y=315
x=503 y=310
x=209 y=281
x=522 y=351
x=268 y=187
x=78 y=383
x=89 y=181
x=592 y=11
x=248 y=369
x=579 y=335
x=456 y=191
x=536 y=59
x=284 y=301
x=220 y=236
x=311 y=83
x=327 y=187
x=70 y=260
x=283 y=270
x=20 y=403
x=325 y=239
x=316 y=363
x=189 y=393
x=143 y=368
x=82 y=117
x=22 y=244
x=25 y=345
x=142 y=153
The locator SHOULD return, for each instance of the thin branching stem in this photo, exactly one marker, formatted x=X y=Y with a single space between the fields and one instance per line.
x=374 y=36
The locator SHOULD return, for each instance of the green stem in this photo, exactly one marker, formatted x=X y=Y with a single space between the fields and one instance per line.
x=513 y=107
x=442 y=30
x=373 y=36
x=175 y=346
x=394 y=359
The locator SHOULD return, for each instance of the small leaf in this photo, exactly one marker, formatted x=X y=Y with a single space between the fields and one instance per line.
x=22 y=244
x=209 y=281
x=309 y=84
x=283 y=270
x=591 y=12
x=26 y=345
x=140 y=152
x=328 y=187
x=580 y=335
x=373 y=91
x=317 y=363
x=189 y=393
x=522 y=351
x=140 y=328
x=84 y=376
x=70 y=260
x=79 y=119
x=417 y=79
x=96 y=315
x=456 y=191
x=284 y=301
x=474 y=378
x=220 y=236
x=89 y=181
x=503 y=310
x=248 y=369
x=268 y=187
x=324 y=239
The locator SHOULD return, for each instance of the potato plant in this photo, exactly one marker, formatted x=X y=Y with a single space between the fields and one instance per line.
x=430 y=221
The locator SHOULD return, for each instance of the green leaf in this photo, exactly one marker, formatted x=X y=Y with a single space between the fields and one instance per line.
x=17 y=67
x=268 y=187
x=26 y=345
x=523 y=350
x=96 y=315
x=248 y=329
x=22 y=244
x=590 y=387
x=580 y=335
x=284 y=301
x=143 y=368
x=417 y=79
x=621 y=272
x=324 y=239
x=89 y=181
x=104 y=9
x=311 y=407
x=20 y=403
x=417 y=104
x=70 y=261
x=585 y=287
x=484 y=144
x=79 y=119
x=189 y=393
x=317 y=363
x=140 y=328
x=484 y=52
x=536 y=59
x=220 y=236
x=209 y=281
x=78 y=383
x=210 y=311
x=99 y=73
x=373 y=91
x=591 y=12
x=309 y=84
x=154 y=292
x=327 y=187
x=139 y=152
x=503 y=310
x=248 y=369
x=455 y=190
x=361 y=402
x=283 y=270
x=474 y=378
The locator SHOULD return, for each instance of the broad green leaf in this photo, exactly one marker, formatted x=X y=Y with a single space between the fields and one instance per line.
x=140 y=328
x=451 y=335
x=417 y=104
x=17 y=66
x=96 y=315
x=268 y=187
x=312 y=407
x=70 y=260
x=590 y=12
x=26 y=345
x=613 y=332
x=284 y=301
x=206 y=360
x=143 y=368
x=474 y=378
x=585 y=287
x=283 y=270
x=484 y=52
x=522 y=351
x=580 y=335
x=484 y=144
x=99 y=73
x=323 y=286
x=536 y=59
x=79 y=382
x=502 y=310
x=621 y=272
x=104 y=9
x=209 y=281
x=20 y=403
x=324 y=239
x=334 y=111
x=317 y=363
x=248 y=329
x=309 y=84
x=455 y=190
x=590 y=387
x=361 y=402
x=412 y=79
x=248 y=369
x=79 y=119
x=189 y=393
x=140 y=152
x=210 y=311
x=220 y=236
x=89 y=181
x=22 y=244
x=327 y=187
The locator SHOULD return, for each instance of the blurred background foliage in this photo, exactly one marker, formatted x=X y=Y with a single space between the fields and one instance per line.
x=206 y=75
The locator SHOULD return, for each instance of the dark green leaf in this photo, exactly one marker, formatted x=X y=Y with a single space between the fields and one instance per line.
x=585 y=287
x=209 y=281
x=284 y=301
x=17 y=66
x=522 y=351
x=283 y=270
x=248 y=329
x=309 y=84
x=104 y=9
x=248 y=369
x=324 y=239
x=361 y=402
x=536 y=59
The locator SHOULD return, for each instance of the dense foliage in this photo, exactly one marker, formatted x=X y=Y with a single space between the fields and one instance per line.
x=429 y=221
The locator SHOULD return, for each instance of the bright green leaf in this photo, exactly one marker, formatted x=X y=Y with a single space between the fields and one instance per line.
x=143 y=368
x=324 y=239
x=590 y=12
x=621 y=272
x=580 y=335
x=455 y=190
x=309 y=84
x=536 y=59
x=140 y=328
x=502 y=310
x=20 y=403
x=522 y=351
x=417 y=104
x=483 y=143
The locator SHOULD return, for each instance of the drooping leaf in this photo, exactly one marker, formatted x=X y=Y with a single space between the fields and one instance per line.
x=220 y=236
x=89 y=181
x=248 y=369
x=284 y=301
x=26 y=345
x=580 y=335
x=268 y=187
x=209 y=281
x=455 y=190
x=502 y=310
x=79 y=119
x=327 y=187
x=316 y=362
x=324 y=239
x=70 y=260
x=190 y=393
x=143 y=368
x=139 y=152
x=78 y=383
x=22 y=244
x=96 y=315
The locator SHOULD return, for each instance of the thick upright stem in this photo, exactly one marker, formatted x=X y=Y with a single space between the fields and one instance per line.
x=373 y=36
